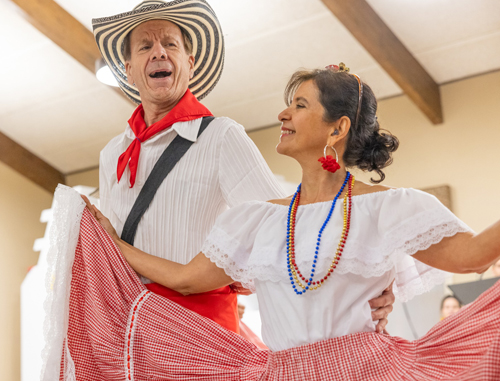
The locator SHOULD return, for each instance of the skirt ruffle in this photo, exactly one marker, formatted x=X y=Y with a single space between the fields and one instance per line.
x=119 y=330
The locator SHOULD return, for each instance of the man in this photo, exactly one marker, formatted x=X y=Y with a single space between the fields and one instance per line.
x=163 y=55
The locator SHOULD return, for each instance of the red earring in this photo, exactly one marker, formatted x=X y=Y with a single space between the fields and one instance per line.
x=328 y=162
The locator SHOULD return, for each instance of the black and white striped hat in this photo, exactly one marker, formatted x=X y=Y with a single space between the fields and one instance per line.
x=196 y=17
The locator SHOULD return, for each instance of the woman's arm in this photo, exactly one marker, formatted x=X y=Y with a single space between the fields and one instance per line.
x=199 y=275
x=464 y=252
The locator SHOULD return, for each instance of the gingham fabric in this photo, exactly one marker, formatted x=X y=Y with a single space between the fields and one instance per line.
x=118 y=330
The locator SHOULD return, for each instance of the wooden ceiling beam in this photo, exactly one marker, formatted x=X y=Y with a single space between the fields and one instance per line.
x=390 y=53
x=74 y=38
x=64 y=30
x=29 y=165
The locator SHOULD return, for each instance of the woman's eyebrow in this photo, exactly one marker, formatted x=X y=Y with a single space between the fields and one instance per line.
x=301 y=99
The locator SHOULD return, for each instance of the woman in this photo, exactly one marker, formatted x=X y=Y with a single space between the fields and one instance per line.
x=312 y=297
x=449 y=305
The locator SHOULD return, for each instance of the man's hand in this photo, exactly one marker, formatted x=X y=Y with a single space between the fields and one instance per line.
x=238 y=287
x=383 y=305
x=101 y=219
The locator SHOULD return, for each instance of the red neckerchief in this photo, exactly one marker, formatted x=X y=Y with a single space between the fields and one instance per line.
x=188 y=108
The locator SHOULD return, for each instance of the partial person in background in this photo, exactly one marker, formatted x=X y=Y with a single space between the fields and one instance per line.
x=450 y=305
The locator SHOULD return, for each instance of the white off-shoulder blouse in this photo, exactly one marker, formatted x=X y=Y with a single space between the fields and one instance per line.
x=387 y=228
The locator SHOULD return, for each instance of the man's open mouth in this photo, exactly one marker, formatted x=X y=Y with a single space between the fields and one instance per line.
x=160 y=74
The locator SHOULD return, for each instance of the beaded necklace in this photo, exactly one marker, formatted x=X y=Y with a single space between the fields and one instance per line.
x=293 y=270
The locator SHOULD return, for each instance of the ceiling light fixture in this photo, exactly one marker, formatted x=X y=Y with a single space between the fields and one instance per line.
x=103 y=73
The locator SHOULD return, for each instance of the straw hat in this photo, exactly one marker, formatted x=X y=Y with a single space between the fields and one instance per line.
x=196 y=17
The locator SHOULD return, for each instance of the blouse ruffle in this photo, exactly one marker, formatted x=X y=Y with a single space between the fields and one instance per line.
x=387 y=228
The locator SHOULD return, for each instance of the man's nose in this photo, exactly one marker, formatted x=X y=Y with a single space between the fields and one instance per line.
x=159 y=52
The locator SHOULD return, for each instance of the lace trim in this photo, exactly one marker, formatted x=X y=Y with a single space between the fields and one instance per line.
x=64 y=232
x=424 y=283
x=399 y=244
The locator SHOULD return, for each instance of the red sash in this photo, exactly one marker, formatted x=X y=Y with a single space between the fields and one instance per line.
x=220 y=305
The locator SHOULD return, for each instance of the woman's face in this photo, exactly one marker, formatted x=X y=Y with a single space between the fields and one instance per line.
x=450 y=306
x=304 y=133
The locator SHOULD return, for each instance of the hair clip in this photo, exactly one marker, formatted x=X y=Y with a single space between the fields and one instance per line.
x=340 y=68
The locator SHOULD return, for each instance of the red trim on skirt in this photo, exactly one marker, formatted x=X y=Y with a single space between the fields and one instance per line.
x=219 y=305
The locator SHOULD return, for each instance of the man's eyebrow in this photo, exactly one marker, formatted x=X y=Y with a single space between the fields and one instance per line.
x=301 y=99
x=145 y=40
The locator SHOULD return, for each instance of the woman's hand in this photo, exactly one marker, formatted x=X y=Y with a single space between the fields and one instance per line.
x=101 y=219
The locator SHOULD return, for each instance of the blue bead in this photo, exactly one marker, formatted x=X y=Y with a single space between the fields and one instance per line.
x=291 y=282
x=307 y=288
x=315 y=261
x=314 y=264
x=316 y=252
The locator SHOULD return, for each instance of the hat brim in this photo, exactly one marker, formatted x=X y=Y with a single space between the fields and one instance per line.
x=196 y=17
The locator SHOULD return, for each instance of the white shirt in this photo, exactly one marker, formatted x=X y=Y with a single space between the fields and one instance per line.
x=222 y=169
x=249 y=242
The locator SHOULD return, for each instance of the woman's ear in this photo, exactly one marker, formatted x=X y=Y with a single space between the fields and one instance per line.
x=339 y=130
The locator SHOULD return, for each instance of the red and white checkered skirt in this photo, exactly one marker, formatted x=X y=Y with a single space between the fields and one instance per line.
x=118 y=330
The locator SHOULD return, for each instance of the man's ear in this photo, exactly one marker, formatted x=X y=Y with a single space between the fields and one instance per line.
x=191 y=66
x=128 y=70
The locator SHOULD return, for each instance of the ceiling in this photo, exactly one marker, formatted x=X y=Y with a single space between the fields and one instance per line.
x=56 y=108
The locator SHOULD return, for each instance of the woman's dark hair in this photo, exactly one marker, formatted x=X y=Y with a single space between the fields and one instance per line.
x=367 y=147
x=450 y=297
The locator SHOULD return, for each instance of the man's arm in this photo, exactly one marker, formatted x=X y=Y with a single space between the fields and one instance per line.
x=104 y=187
x=243 y=173
x=383 y=305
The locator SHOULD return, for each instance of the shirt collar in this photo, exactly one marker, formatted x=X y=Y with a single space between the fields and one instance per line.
x=188 y=130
